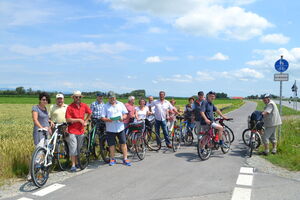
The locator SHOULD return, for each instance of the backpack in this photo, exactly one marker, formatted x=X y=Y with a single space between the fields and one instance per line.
x=257 y=116
x=255 y=120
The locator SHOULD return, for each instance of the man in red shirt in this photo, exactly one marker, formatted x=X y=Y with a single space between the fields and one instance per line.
x=131 y=111
x=75 y=115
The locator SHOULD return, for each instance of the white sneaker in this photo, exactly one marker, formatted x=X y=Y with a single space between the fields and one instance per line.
x=274 y=151
x=29 y=179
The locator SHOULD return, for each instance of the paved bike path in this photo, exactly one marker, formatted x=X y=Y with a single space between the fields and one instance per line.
x=164 y=174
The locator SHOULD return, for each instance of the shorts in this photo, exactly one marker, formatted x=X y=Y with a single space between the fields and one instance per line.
x=111 y=138
x=200 y=127
x=74 y=143
x=269 y=135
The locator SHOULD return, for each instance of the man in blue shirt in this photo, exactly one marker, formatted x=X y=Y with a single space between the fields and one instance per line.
x=96 y=108
x=207 y=112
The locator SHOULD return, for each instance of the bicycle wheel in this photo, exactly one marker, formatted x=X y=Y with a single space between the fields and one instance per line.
x=203 y=147
x=140 y=147
x=246 y=136
x=104 y=148
x=62 y=155
x=188 y=137
x=96 y=150
x=39 y=173
x=84 y=154
x=176 y=139
x=231 y=134
x=152 y=140
x=226 y=140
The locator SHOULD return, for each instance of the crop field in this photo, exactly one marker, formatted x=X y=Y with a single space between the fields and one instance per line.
x=16 y=141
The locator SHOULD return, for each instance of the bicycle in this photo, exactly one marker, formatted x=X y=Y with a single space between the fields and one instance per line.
x=152 y=140
x=44 y=156
x=209 y=142
x=91 y=143
x=186 y=131
x=252 y=136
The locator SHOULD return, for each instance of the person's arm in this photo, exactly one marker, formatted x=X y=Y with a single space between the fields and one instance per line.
x=35 y=119
x=267 y=110
x=136 y=115
x=207 y=121
x=71 y=120
x=221 y=114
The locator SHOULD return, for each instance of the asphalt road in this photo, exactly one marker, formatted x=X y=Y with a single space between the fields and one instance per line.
x=181 y=175
x=289 y=104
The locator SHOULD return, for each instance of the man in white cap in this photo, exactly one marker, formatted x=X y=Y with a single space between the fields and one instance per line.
x=75 y=115
x=271 y=121
x=57 y=112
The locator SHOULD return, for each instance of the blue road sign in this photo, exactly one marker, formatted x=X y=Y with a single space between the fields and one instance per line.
x=281 y=65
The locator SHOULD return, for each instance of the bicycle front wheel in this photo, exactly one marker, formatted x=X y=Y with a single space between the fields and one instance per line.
x=39 y=173
x=231 y=134
x=176 y=139
x=226 y=140
x=246 y=136
x=152 y=140
x=96 y=146
x=62 y=155
x=84 y=154
x=203 y=147
x=140 y=147
x=188 y=137
x=104 y=148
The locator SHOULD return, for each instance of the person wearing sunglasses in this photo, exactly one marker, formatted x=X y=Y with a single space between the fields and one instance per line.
x=41 y=119
x=75 y=115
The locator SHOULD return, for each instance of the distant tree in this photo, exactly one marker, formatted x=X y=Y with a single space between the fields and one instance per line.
x=20 y=90
x=221 y=95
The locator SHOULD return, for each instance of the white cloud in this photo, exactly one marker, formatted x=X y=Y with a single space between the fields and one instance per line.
x=156 y=30
x=205 y=76
x=202 y=18
x=153 y=59
x=72 y=48
x=246 y=74
x=219 y=56
x=179 y=78
x=275 y=39
x=131 y=77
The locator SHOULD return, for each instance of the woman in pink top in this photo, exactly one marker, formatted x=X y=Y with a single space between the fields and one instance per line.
x=131 y=111
x=172 y=116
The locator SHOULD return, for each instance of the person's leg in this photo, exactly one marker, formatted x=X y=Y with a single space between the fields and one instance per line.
x=122 y=141
x=157 y=127
x=165 y=132
x=220 y=130
x=273 y=140
x=79 y=139
x=266 y=137
x=111 y=141
x=72 y=144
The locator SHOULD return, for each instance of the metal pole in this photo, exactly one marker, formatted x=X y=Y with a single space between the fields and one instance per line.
x=280 y=110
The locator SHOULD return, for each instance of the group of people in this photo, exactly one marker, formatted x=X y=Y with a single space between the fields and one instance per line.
x=117 y=116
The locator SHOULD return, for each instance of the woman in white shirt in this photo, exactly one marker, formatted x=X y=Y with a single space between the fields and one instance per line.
x=142 y=111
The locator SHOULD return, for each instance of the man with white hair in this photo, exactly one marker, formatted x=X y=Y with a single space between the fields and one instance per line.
x=271 y=121
x=58 y=111
x=131 y=111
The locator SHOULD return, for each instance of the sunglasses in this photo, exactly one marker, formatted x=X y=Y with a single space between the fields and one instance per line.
x=44 y=100
x=77 y=97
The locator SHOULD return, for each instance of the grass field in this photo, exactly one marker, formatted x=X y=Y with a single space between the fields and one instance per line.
x=16 y=143
x=288 y=155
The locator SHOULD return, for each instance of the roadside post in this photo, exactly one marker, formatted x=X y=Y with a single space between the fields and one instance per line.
x=281 y=66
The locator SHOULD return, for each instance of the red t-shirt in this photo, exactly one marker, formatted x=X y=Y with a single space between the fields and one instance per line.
x=75 y=112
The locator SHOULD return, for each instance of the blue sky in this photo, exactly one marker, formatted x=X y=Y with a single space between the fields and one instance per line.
x=180 y=46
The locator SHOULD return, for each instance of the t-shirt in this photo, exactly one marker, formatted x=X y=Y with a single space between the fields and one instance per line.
x=58 y=113
x=77 y=112
x=197 y=109
x=188 y=112
x=43 y=117
x=273 y=118
x=161 y=108
x=131 y=113
x=114 y=111
x=142 y=114
x=208 y=108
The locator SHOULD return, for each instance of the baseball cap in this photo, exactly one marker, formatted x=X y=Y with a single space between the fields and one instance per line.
x=267 y=95
x=111 y=94
x=59 y=96
x=211 y=92
x=99 y=94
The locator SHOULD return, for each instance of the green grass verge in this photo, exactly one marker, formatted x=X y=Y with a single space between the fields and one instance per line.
x=288 y=155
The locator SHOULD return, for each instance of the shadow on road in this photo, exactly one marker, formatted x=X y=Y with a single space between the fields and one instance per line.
x=28 y=187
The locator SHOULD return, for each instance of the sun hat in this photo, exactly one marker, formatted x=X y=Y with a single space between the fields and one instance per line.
x=77 y=93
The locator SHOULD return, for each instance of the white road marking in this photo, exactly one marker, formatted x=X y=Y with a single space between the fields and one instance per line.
x=246 y=170
x=241 y=194
x=24 y=198
x=244 y=180
x=48 y=189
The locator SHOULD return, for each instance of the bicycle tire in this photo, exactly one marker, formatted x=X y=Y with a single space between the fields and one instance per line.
x=39 y=173
x=231 y=134
x=152 y=140
x=84 y=154
x=140 y=147
x=246 y=136
x=176 y=139
x=62 y=155
x=226 y=140
x=203 y=148
x=104 y=148
x=96 y=149
x=189 y=138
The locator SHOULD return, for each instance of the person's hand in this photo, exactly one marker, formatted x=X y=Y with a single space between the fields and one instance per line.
x=52 y=124
x=225 y=117
x=207 y=121
x=81 y=121
x=85 y=123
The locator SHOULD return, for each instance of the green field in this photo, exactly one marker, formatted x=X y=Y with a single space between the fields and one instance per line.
x=16 y=143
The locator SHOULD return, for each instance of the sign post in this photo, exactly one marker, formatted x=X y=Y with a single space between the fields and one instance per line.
x=295 y=90
x=281 y=65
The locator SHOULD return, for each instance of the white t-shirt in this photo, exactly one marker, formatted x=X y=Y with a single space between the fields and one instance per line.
x=142 y=114
x=110 y=111
x=161 y=109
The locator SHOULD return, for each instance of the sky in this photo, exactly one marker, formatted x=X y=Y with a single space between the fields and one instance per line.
x=179 y=46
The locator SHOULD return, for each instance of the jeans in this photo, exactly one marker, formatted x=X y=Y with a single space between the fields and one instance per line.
x=163 y=125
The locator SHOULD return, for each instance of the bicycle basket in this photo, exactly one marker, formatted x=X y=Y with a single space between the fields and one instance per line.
x=136 y=127
x=150 y=122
